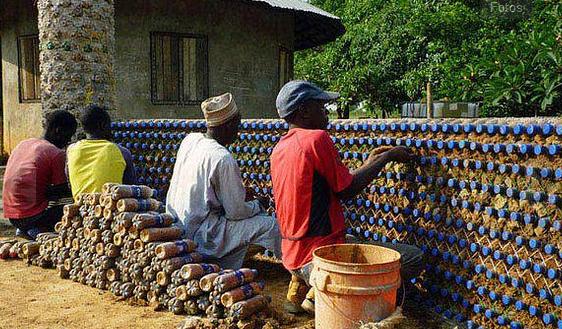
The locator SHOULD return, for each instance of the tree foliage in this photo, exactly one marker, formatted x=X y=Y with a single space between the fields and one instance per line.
x=392 y=48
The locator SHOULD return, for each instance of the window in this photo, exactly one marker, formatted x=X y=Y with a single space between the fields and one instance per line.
x=285 y=66
x=28 y=69
x=179 y=70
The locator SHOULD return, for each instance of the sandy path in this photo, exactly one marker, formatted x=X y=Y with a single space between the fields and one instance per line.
x=33 y=297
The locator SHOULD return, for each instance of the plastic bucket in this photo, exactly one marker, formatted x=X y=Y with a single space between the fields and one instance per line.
x=354 y=284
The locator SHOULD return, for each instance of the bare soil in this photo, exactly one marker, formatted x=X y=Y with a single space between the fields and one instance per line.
x=32 y=297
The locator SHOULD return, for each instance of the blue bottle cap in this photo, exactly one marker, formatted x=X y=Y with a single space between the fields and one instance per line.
x=492 y=129
x=498 y=255
x=524 y=264
x=503 y=278
x=506 y=300
x=506 y=236
x=518 y=129
x=520 y=305
x=479 y=268
x=486 y=148
x=539 y=196
x=538 y=268
x=549 y=318
x=552 y=273
x=544 y=222
x=511 y=148
x=512 y=192
x=558 y=300
x=477 y=308
x=516 y=282
x=538 y=149
x=525 y=148
x=502 y=320
x=489 y=313
x=533 y=130
x=504 y=129
x=530 y=171
x=534 y=243
x=547 y=129
x=558 y=172
x=529 y=288
x=534 y=311
x=549 y=249
x=544 y=294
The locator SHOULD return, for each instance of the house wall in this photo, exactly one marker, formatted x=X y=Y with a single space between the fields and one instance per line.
x=243 y=50
x=20 y=120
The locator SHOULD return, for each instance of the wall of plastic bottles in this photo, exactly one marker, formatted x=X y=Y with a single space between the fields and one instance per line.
x=483 y=201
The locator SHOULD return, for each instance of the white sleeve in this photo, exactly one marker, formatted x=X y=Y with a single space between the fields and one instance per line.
x=231 y=192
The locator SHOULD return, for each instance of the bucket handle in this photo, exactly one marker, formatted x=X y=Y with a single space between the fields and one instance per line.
x=322 y=282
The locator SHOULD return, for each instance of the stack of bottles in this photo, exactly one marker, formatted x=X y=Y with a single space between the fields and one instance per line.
x=120 y=240
x=483 y=201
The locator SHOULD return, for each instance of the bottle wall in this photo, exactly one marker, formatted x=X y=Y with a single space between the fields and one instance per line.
x=483 y=201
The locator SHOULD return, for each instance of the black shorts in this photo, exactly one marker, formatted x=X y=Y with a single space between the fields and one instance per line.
x=43 y=222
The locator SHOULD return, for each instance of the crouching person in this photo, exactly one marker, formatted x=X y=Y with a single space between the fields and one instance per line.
x=309 y=181
x=35 y=181
x=207 y=196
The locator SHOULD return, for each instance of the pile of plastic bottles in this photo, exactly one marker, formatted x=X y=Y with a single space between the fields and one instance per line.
x=482 y=200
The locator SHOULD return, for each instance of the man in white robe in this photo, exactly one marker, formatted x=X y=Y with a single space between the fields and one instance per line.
x=207 y=195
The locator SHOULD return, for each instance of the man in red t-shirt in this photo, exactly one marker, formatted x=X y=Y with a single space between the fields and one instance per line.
x=309 y=181
x=35 y=176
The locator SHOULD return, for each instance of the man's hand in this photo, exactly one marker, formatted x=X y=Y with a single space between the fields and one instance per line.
x=400 y=154
x=377 y=152
x=250 y=194
x=264 y=201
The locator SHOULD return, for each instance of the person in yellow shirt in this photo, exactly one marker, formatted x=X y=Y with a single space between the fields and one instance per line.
x=96 y=160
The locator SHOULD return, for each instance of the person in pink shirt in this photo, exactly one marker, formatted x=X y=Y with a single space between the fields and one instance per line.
x=35 y=177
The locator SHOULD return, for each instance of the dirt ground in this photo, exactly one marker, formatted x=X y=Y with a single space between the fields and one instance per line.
x=32 y=297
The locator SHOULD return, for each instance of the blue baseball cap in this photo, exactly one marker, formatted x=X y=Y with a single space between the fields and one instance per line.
x=296 y=92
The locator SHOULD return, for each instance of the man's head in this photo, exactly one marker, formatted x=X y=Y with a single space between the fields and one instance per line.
x=96 y=122
x=302 y=104
x=59 y=127
x=223 y=118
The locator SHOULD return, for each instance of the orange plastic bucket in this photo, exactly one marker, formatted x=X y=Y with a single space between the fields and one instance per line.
x=354 y=284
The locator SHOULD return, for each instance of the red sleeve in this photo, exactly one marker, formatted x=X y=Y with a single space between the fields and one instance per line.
x=58 y=175
x=328 y=163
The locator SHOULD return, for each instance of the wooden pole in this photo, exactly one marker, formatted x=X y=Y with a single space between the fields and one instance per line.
x=429 y=101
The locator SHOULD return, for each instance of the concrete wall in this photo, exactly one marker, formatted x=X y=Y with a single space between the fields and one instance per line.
x=21 y=120
x=243 y=47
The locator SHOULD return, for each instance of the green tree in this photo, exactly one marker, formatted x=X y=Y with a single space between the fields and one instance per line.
x=392 y=48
